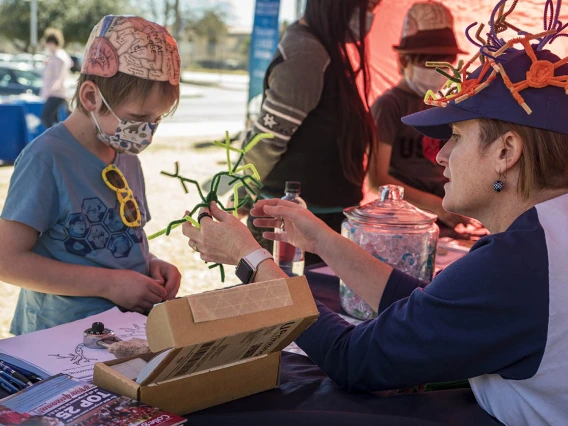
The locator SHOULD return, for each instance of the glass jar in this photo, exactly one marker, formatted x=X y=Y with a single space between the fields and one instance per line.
x=395 y=232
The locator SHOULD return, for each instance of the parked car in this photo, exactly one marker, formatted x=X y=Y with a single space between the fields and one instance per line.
x=37 y=61
x=18 y=78
x=222 y=64
x=6 y=57
x=77 y=62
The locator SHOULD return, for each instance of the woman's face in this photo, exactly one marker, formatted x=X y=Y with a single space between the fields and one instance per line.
x=470 y=170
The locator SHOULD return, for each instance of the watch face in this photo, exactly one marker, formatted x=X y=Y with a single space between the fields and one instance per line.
x=244 y=271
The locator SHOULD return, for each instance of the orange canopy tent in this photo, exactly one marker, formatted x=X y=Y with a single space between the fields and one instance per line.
x=389 y=17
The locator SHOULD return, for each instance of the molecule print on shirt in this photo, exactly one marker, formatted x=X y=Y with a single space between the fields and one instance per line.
x=98 y=227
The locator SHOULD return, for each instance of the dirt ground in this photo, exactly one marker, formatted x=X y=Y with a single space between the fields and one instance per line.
x=167 y=202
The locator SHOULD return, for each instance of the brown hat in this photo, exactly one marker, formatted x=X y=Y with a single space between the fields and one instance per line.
x=428 y=29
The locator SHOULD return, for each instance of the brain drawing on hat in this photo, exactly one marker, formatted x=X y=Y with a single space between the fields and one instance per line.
x=428 y=29
x=426 y=16
x=132 y=45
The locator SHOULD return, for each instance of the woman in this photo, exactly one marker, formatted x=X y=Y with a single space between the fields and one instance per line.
x=54 y=77
x=312 y=106
x=497 y=316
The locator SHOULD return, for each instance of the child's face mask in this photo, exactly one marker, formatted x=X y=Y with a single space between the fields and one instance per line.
x=421 y=79
x=130 y=137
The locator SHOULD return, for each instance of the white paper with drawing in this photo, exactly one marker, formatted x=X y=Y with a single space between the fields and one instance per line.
x=60 y=349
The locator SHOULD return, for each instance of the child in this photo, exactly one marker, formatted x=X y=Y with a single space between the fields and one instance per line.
x=71 y=226
x=404 y=156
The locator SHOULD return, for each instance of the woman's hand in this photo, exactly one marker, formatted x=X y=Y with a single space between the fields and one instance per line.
x=223 y=240
x=302 y=228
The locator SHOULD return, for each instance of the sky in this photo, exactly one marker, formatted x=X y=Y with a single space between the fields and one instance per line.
x=243 y=10
x=240 y=13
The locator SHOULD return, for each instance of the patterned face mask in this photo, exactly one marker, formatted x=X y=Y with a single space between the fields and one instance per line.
x=130 y=137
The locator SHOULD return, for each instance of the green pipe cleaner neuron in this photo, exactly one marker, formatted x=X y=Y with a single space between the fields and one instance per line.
x=240 y=179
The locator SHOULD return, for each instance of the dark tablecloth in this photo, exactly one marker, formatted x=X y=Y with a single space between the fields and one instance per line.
x=306 y=396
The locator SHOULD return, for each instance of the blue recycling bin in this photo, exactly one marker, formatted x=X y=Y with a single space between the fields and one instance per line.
x=14 y=135
x=33 y=116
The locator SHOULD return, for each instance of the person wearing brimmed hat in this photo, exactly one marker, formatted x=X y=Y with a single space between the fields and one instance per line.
x=497 y=316
x=403 y=156
x=77 y=192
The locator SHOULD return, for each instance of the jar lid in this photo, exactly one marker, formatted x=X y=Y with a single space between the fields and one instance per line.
x=390 y=209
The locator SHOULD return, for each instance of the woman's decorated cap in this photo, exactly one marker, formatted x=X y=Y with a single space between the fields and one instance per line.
x=428 y=29
x=518 y=81
x=132 y=45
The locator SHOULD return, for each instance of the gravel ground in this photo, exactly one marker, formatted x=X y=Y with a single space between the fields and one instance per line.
x=167 y=202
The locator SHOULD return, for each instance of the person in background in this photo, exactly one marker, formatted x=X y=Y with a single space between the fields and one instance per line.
x=55 y=74
x=403 y=156
x=322 y=128
x=73 y=223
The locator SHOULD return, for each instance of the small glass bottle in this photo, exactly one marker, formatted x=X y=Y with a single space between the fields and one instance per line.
x=289 y=258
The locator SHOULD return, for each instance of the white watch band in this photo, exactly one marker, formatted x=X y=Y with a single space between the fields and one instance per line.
x=257 y=257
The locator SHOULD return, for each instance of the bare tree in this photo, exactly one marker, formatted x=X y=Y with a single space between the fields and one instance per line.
x=211 y=26
x=167 y=12
x=177 y=28
x=152 y=8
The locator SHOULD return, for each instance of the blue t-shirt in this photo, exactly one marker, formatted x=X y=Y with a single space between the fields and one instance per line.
x=57 y=189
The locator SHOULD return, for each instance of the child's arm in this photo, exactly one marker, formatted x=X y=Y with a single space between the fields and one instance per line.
x=379 y=175
x=20 y=266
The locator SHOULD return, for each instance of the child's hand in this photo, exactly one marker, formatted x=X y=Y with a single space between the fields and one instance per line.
x=134 y=291
x=452 y=219
x=167 y=275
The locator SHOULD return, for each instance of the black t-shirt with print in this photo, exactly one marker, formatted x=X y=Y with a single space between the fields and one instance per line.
x=413 y=159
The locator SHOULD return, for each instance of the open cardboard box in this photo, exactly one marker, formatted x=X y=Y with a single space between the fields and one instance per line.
x=226 y=345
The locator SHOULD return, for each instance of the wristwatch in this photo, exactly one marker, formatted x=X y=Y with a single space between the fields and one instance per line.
x=248 y=265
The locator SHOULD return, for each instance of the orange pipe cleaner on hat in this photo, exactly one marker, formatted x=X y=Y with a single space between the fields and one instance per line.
x=541 y=73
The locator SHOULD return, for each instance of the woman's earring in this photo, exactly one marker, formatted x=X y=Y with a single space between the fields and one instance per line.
x=498 y=186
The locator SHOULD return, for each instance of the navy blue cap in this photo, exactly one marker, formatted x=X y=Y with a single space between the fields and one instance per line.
x=549 y=105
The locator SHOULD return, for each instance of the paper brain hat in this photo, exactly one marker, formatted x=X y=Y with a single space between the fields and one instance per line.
x=132 y=45
x=428 y=28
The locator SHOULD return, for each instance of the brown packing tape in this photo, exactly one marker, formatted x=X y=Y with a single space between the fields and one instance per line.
x=240 y=300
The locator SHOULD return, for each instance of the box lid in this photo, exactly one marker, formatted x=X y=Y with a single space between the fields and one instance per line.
x=229 y=325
